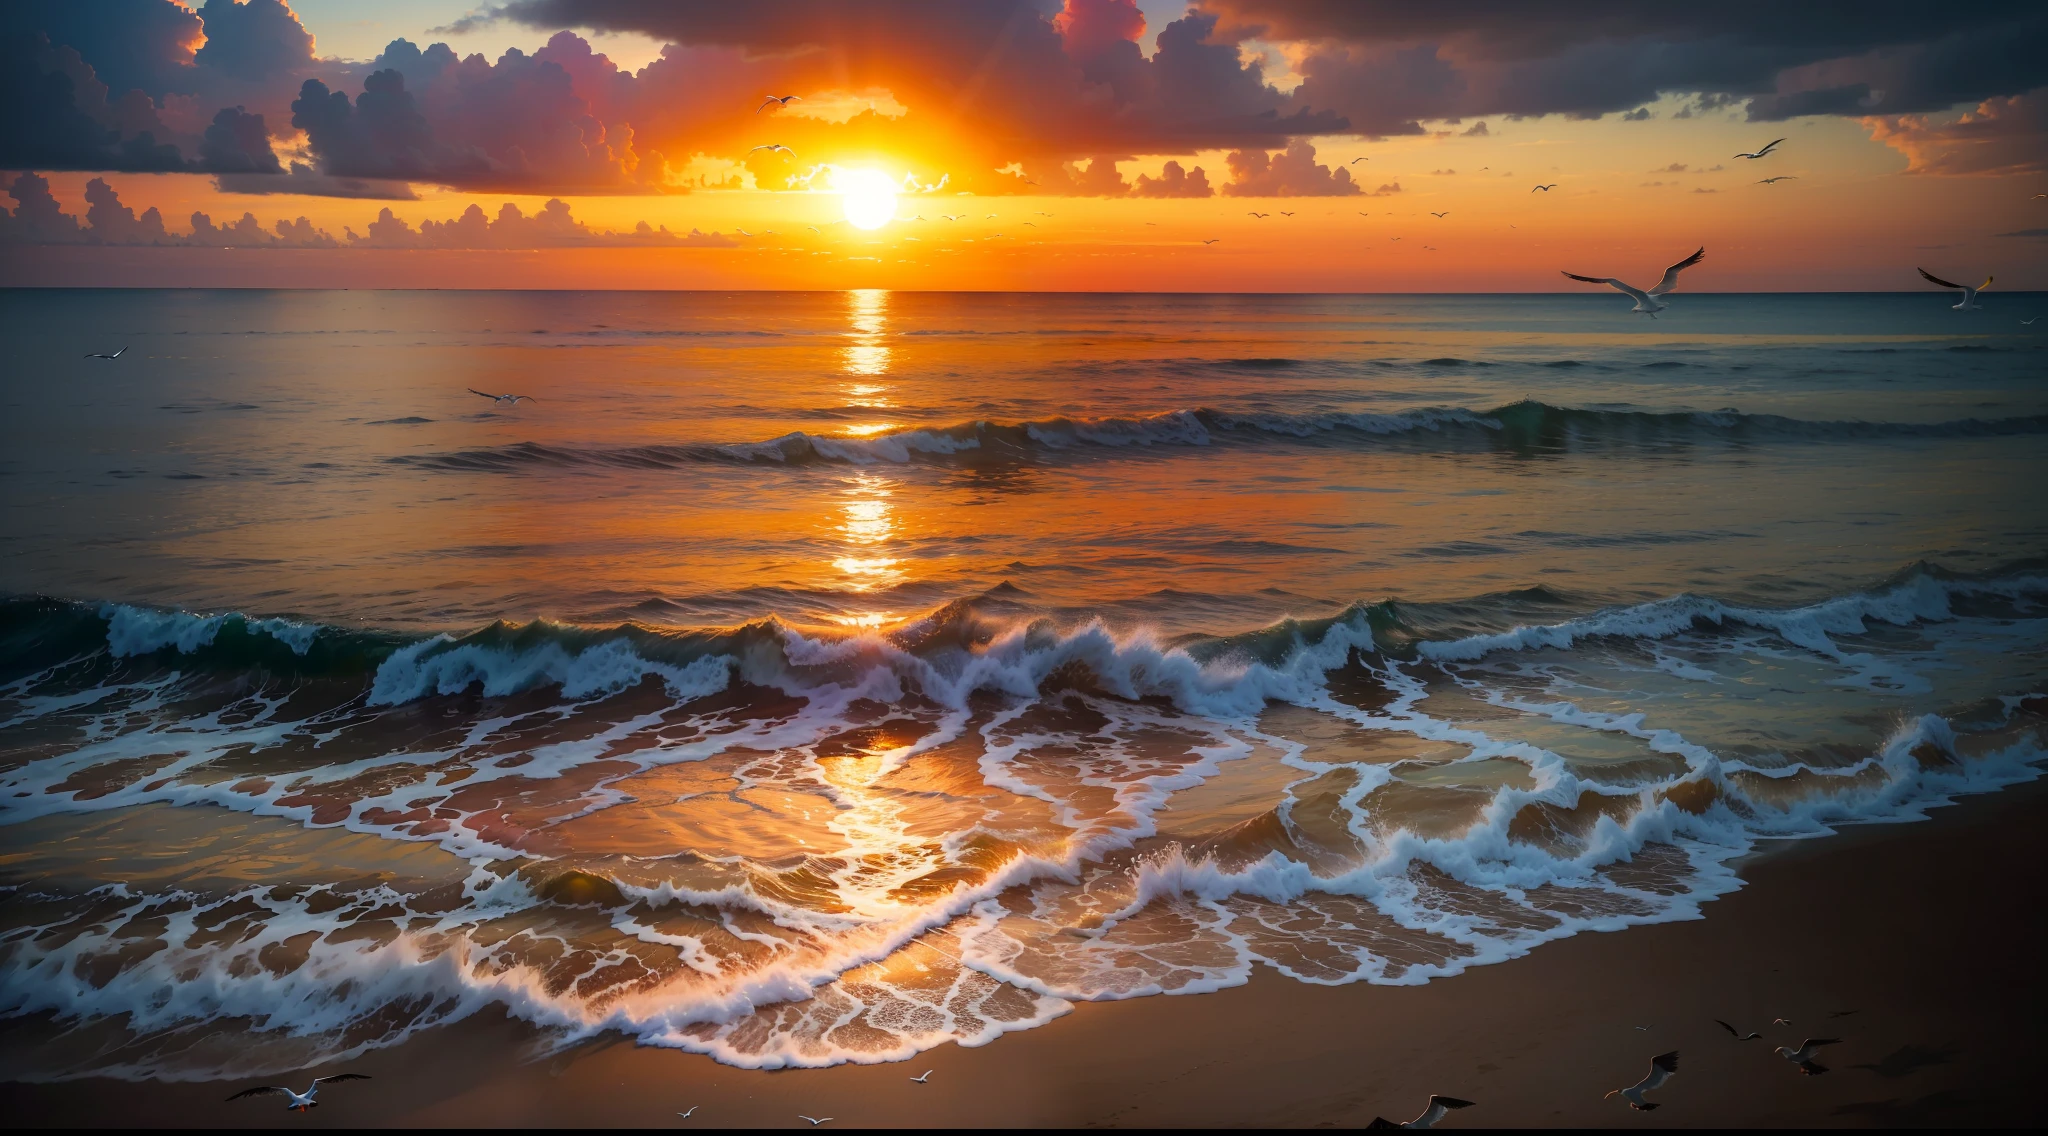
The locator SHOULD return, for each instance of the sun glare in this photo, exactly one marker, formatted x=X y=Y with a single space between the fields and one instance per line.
x=869 y=195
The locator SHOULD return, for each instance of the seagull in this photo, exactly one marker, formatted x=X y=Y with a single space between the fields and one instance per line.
x=921 y=1080
x=1363 y=213
x=1732 y=1032
x=1258 y=214
x=1442 y=215
x=775 y=146
x=104 y=355
x=949 y=217
x=1213 y=240
x=815 y=229
x=507 y=399
x=1041 y=213
x=1033 y=224
x=1646 y=302
x=1285 y=213
x=743 y=232
x=1545 y=188
x=1969 y=301
x=1762 y=152
x=2028 y=322
x=778 y=100
x=1782 y=177
x=1781 y=1021
x=686 y=1115
x=1803 y=1056
x=1661 y=1068
x=1355 y=161
x=1438 y=1108
x=301 y=1102
x=815 y=1120
x=990 y=217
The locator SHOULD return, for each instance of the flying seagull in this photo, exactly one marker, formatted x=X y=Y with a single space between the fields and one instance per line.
x=815 y=1120
x=1355 y=161
x=1661 y=1068
x=1033 y=224
x=921 y=1080
x=815 y=229
x=778 y=100
x=990 y=217
x=507 y=399
x=1803 y=1056
x=1442 y=215
x=693 y=1108
x=1969 y=302
x=1752 y=1035
x=775 y=146
x=1285 y=213
x=104 y=355
x=2028 y=322
x=1781 y=177
x=1215 y=239
x=1762 y=152
x=1545 y=188
x=743 y=232
x=1041 y=213
x=301 y=1102
x=1781 y=1021
x=1438 y=1108
x=1646 y=302
x=1258 y=214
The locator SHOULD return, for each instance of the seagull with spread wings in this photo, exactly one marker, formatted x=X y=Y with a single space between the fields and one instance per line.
x=1762 y=152
x=104 y=355
x=773 y=146
x=1544 y=188
x=780 y=101
x=1779 y=178
x=1646 y=302
x=300 y=1102
x=1969 y=301
x=505 y=399
x=1439 y=1107
x=1804 y=1055
x=1662 y=1067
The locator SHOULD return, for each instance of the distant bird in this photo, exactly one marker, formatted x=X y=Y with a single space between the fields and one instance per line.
x=743 y=232
x=815 y=1121
x=1781 y=177
x=1969 y=302
x=301 y=1102
x=1781 y=1021
x=778 y=100
x=686 y=1115
x=949 y=217
x=1432 y=248
x=775 y=146
x=1732 y=1032
x=1363 y=213
x=1041 y=213
x=1844 y=1013
x=1439 y=1107
x=1762 y=152
x=1645 y=1029
x=1393 y=238
x=104 y=355
x=1258 y=214
x=921 y=1080
x=1544 y=188
x=1355 y=161
x=2028 y=322
x=1662 y=1067
x=1646 y=302
x=1285 y=213
x=815 y=229
x=990 y=217
x=507 y=399
x=1215 y=239
x=1442 y=215
x=1803 y=1056
x=919 y=217
x=2038 y=196
x=1033 y=224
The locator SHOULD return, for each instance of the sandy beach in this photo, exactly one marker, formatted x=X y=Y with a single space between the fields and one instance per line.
x=1899 y=939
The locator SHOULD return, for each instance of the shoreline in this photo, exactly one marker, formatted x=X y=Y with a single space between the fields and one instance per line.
x=1886 y=925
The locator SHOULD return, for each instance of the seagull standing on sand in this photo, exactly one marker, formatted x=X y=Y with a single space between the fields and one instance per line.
x=301 y=1102
x=923 y=1079
x=507 y=399
x=104 y=355
x=1646 y=302
x=1752 y=1035
x=1803 y=1056
x=1762 y=152
x=1969 y=302
x=1662 y=1067
x=1438 y=1108
x=779 y=100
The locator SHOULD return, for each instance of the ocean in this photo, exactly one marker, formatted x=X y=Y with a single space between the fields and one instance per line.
x=803 y=678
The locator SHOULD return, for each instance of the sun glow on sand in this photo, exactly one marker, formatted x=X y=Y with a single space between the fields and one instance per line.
x=869 y=197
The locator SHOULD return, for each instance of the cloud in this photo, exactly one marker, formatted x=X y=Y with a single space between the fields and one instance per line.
x=304 y=179
x=38 y=219
x=1640 y=114
x=1387 y=190
x=1477 y=130
x=1673 y=168
x=1174 y=182
x=2025 y=233
x=1292 y=172
x=1443 y=173
x=1998 y=136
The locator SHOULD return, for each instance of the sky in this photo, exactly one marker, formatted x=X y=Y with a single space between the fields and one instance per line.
x=1220 y=145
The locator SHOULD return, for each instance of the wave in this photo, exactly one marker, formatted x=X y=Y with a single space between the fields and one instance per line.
x=1524 y=427
x=739 y=840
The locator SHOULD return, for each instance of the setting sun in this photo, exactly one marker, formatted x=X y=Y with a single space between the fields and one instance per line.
x=869 y=195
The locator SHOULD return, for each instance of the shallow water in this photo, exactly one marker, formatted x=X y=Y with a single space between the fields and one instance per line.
x=818 y=677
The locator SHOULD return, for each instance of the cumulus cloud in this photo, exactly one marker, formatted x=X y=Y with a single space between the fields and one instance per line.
x=39 y=219
x=1173 y=182
x=1292 y=172
x=1998 y=136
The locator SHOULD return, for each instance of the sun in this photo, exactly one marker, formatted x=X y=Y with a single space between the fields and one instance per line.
x=869 y=195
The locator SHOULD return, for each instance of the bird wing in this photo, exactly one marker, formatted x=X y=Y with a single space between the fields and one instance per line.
x=1661 y=1068
x=1931 y=278
x=1732 y=1032
x=1670 y=280
x=1767 y=149
x=341 y=1077
x=494 y=398
x=1449 y=1102
x=1640 y=295
x=261 y=1090
x=1813 y=1043
x=1382 y=1122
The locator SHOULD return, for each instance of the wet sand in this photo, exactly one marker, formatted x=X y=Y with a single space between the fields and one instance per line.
x=1923 y=938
